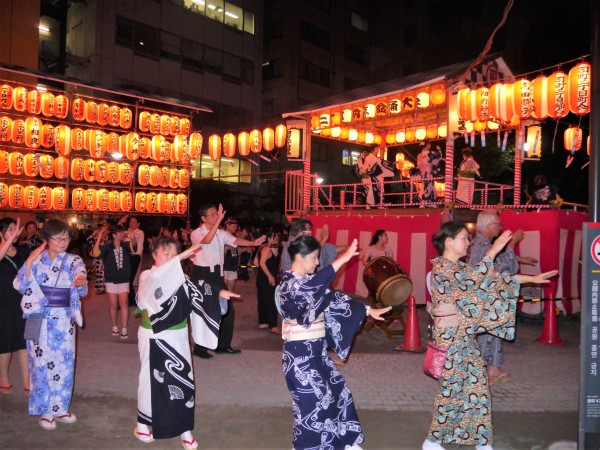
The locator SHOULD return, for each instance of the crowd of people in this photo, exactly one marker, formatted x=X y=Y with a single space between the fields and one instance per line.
x=193 y=281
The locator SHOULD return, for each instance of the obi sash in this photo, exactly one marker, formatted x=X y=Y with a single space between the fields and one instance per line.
x=291 y=331
x=57 y=297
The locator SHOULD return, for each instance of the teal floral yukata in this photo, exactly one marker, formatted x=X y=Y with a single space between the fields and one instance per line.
x=485 y=301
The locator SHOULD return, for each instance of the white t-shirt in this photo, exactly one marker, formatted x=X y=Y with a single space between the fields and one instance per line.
x=138 y=236
x=212 y=254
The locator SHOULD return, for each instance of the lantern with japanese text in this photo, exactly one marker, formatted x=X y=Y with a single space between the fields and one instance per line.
x=346 y=115
x=195 y=145
x=3 y=161
x=408 y=103
x=184 y=178
x=126 y=201
x=48 y=135
x=61 y=106
x=185 y=126
x=62 y=140
x=482 y=104
x=89 y=170
x=145 y=121
x=59 y=198
x=268 y=138
x=91 y=112
x=495 y=100
x=125 y=173
x=164 y=176
x=3 y=195
x=113 y=143
x=140 y=201
x=171 y=206
x=103 y=200
x=45 y=198
x=580 y=81
x=522 y=98
x=5 y=129
x=280 y=135
x=229 y=144
x=18 y=131
x=335 y=132
x=31 y=165
x=179 y=148
x=91 y=199
x=114 y=117
x=101 y=171
x=182 y=204
x=161 y=149
x=161 y=202
x=77 y=169
x=6 y=96
x=34 y=102
x=255 y=141
x=539 y=88
x=114 y=200
x=155 y=123
x=465 y=104
x=128 y=145
x=112 y=171
x=165 y=125
x=381 y=109
x=573 y=139
x=103 y=114
x=16 y=163
x=98 y=143
x=175 y=126
x=30 y=197
x=173 y=178
x=78 y=198
x=144 y=174
x=77 y=139
x=48 y=104
x=126 y=118
x=423 y=99
x=394 y=106
x=154 y=175
x=558 y=95
x=33 y=132
x=15 y=196
x=369 y=111
x=20 y=98
x=214 y=147
x=78 y=109
x=46 y=165
x=144 y=147
x=61 y=167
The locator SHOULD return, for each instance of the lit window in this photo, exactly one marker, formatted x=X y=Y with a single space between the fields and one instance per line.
x=350 y=158
x=358 y=21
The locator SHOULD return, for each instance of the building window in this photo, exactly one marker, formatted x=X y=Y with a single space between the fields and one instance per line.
x=312 y=72
x=196 y=6
x=124 y=31
x=215 y=10
x=273 y=30
x=146 y=40
x=355 y=53
x=192 y=54
x=358 y=21
x=213 y=59
x=232 y=67
x=350 y=157
x=249 y=22
x=170 y=46
x=314 y=35
x=224 y=12
x=227 y=170
x=319 y=151
x=272 y=69
x=234 y=16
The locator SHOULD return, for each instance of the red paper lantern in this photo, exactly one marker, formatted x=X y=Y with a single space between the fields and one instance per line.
x=18 y=131
x=144 y=147
x=103 y=114
x=268 y=139
x=48 y=104
x=6 y=96
x=126 y=118
x=113 y=143
x=195 y=145
x=175 y=126
x=33 y=132
x=98 y=143
x=3 y=161
x=182 y=204
x=3 y=195
x=114 y=201
x=179 y=148
x=46 y=165
x=437 y=97
x=161 y=149
x=30 y=197
x=184 y=178
x=185 y=126
x=61 y=168
x=506 y=108
x=129 y=145
x=255 y=141
x=126 y=201
x=101 y=171
x=580 y=82
x=144 y=174
x=59 y=198
x=34 y=102
x=89 y=170
x=78 y=199
x=495 y=100
x=164 y=176
x=244 y=143
x=114 y=118
x=522 y=98
x=171 y=207
x=15 y=196
x=140 y=201
x=20 y=98
x=161 y=202
x=77 y=139
x=112 y=170
x=173 y=178
x=281 y=135
x=540 y=97
x=45 y=198
x=78 y=109
x=155 y=124
x=573 y=138
x=145 y=121
x=214 y=147
x=62 y=140
x=103 y=200
x=558 y=95
x=48 y=135
x=125 y=173
x=77 y=169
x=91 y=199
x=229 y=141
x=61 y=106
x=16 y=162
x=91 y=112
x=482 y=104
x=5 y=129
x=31 y=166
x=165 y=125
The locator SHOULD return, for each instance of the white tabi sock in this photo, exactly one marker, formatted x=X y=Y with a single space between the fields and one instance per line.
x=428 y=445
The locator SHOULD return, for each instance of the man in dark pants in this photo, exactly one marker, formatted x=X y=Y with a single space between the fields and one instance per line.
x=208 y=266
x=135 y=235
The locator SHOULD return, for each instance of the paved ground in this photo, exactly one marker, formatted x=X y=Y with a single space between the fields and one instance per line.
x=243 y=403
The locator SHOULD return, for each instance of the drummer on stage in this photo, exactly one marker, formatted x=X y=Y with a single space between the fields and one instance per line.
x=377 y=248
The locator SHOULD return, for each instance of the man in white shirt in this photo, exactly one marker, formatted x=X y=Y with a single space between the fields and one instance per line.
x=208 y=266
x=135 y=235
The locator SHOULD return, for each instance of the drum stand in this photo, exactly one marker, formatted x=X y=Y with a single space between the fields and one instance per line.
x=389 y=318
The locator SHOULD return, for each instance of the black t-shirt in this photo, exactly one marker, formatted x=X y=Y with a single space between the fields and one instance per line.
x=117 y=262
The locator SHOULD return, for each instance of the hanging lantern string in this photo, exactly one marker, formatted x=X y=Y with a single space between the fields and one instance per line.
x=490 y=41
x=554 y=138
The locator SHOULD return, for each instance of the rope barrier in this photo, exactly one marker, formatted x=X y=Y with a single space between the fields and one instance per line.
x=536 y=300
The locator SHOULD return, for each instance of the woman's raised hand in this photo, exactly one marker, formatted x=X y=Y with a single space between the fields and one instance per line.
x=350 y=251
x=499 y=244
x=35 y=253
x=190 y=252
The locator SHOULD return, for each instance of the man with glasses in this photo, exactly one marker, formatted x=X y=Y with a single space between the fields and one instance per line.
x=208 y=266
x=488 y=228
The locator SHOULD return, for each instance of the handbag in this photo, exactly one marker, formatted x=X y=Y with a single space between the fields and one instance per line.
x=435 y=358
x=33 y=326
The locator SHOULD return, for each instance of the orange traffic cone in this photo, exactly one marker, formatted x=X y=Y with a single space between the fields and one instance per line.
x=412 y=339
x=550 y=332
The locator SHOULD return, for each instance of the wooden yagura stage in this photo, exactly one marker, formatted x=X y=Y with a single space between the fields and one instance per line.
x=552 y=236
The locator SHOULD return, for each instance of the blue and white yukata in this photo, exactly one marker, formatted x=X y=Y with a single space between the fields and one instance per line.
x=316 y=318
x=166 y=389
x=52 y=356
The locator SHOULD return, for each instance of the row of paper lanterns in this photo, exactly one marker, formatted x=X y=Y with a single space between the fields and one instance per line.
x=49 y=198
x=369 y=111
x=46 y=103
x=430 y=131
x=35 y=134
x=245 y=142
x=164 y=124
x=553 y=96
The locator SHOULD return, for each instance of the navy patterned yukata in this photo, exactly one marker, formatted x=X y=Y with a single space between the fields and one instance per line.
x=324 y=414
x=485 y=301
x=52 y=356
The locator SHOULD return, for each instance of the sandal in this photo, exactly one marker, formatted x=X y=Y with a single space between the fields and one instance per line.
x=115 y=331
x=66 y=418
x=189 y=445
x=6 y=389
x=502 y=378
x=27 y=391
x=263 y=326
x=124 y=336
x=46 y=423
x=144 y=437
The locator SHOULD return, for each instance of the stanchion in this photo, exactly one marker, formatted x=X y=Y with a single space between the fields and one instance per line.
x=412 y=339
x=550 y=332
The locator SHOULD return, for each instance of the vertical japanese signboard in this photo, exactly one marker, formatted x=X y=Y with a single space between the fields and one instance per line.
x=589 y=397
